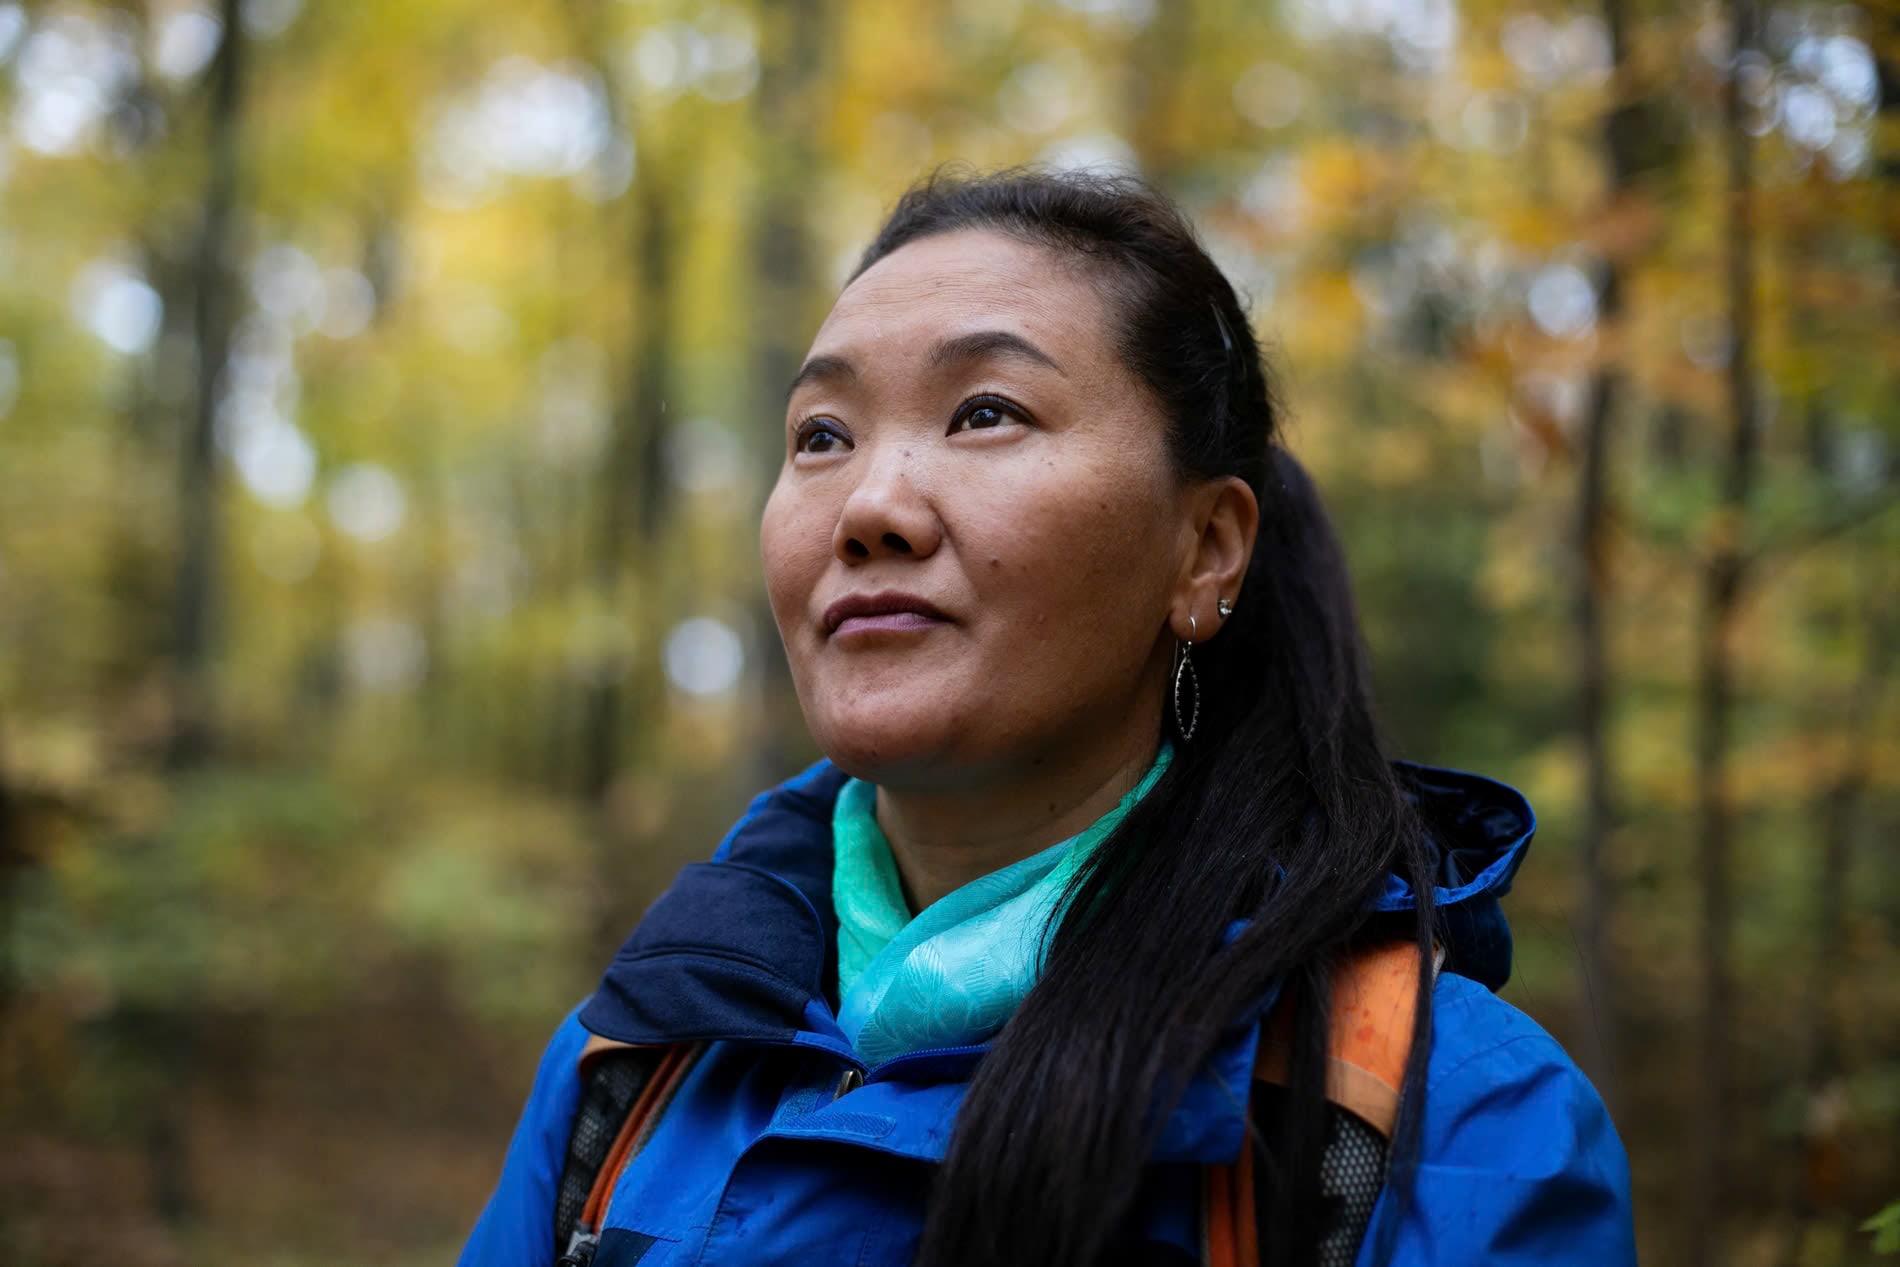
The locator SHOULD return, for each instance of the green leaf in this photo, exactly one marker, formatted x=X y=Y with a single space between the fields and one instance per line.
x=1886 y=1229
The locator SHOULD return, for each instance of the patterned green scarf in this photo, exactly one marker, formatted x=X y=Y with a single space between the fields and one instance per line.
x=952 y=975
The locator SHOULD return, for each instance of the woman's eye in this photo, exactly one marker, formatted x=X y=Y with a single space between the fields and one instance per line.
x=979 y=414
x=819 y=436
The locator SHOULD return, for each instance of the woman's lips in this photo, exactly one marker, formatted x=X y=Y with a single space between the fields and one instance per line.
x=884 y=613
x=892 y=622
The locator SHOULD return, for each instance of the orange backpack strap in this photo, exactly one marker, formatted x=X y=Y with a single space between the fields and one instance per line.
x=651 y=1076
x=1374 y=1006
x=596 y=1047
x=1229 y=1237
x=1374 y=1009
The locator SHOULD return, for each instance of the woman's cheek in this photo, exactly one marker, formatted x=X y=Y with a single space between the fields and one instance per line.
x=793 y=555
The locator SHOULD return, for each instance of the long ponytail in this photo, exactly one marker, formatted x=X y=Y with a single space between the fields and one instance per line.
x=1282 y=812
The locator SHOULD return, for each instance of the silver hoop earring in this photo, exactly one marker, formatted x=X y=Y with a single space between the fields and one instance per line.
x=1186 y=719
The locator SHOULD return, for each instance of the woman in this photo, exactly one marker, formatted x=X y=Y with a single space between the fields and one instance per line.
x=1105 y=825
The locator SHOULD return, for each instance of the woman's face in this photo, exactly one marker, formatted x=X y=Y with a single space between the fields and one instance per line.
x=976 y=539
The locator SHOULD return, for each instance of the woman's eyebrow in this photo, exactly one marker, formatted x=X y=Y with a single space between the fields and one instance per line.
x=981 y=343
x=963 y=347
x=819 y=369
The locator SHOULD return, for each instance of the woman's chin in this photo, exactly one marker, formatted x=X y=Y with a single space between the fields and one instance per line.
x=874 y=755
x=890 y=751
x=874 y=726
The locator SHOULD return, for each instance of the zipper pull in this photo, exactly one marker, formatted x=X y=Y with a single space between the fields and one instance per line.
x=580 y=1249
x=851 y=1081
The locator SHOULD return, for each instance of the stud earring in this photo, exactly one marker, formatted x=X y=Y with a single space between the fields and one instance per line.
x=1224 y=607
x=1186 y=719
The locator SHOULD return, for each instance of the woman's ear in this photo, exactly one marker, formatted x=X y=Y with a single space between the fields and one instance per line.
x=1227 y=519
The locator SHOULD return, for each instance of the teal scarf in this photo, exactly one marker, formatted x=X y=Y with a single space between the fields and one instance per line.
x=953 y=975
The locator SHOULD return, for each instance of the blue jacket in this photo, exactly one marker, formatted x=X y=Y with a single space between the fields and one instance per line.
x=758 y=1160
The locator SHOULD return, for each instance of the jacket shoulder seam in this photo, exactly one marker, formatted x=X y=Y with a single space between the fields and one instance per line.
x=1492 y=1049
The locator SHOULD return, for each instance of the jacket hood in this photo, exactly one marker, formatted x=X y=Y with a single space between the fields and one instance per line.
x=744 y=947
x=1478 y=830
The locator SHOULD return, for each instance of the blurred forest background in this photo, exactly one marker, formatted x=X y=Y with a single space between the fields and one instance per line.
x=388 y=393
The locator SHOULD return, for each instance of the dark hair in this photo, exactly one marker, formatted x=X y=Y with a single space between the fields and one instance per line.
x=1284 y=810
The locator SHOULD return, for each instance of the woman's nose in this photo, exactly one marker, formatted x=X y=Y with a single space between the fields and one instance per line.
x=886 y=515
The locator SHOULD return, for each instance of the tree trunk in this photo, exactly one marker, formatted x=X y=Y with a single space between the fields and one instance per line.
x=632 y=478
x=13 y=861
x=1593 y=583
x=195 y=587
x=1816 y=1172
x=1159 y=58
x=1815 y=1183
x=1721 y=592
x=792 y=62
x=1886 y=46
x=168 y=1033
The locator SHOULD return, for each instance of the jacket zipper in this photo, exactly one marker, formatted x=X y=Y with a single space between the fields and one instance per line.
x=878 y=1072
x=856 y=1075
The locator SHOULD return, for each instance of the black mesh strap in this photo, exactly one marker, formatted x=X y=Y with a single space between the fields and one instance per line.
x=1351 y=1175
x=613 y=1081
x=1351 y=1172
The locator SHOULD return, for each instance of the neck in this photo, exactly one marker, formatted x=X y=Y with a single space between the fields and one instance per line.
x=942 y=840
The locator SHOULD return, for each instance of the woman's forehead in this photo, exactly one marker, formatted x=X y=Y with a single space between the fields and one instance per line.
x=941 y=285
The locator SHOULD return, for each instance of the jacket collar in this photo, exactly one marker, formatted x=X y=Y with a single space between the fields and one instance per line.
x=741 y=947
x=744 y=947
